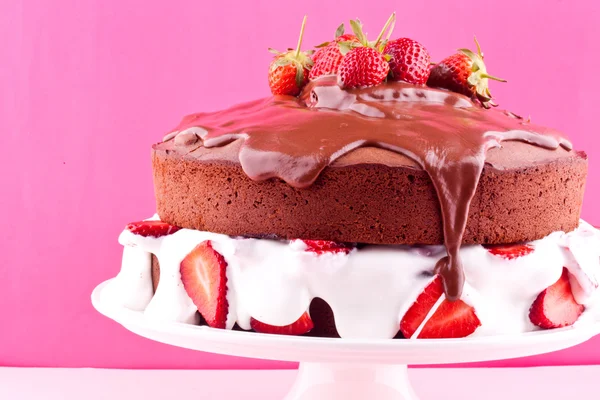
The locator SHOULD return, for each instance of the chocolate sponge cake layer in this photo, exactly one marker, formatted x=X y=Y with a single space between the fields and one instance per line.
x=371 y=195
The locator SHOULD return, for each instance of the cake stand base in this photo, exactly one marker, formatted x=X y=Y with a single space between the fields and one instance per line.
x=346 y=368
x=326 y=381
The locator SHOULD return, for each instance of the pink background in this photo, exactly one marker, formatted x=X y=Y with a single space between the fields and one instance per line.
x=88 y=86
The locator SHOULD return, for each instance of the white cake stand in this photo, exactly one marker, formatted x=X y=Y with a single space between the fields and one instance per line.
x=347 y=368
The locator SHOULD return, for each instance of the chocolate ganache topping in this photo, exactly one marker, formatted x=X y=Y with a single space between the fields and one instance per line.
x=294 y=139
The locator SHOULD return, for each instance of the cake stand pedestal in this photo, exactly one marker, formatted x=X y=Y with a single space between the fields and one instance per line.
x=321 y=381
x=346 y=368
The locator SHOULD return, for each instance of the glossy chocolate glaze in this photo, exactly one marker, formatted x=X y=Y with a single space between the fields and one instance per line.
x=294 y=139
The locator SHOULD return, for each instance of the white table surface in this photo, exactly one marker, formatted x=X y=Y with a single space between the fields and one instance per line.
x=545 y=383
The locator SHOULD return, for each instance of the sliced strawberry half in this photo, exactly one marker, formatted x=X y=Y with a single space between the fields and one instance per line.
x=556 y=307
x=452 y=319
x=303 y=325
x=203 y=273
x=327 y=246
x=152 y=228
x=510 y=251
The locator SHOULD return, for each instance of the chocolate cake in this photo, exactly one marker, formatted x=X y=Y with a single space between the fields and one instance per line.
x=443 y=132
x=348 y=205
x=372 y=196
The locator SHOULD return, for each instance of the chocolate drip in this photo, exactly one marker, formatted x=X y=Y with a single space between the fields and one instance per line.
x=294 y=139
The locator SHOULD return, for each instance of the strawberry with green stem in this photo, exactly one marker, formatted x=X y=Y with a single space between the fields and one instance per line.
x=328 y=56
x=464 y=73
x=340 y=36
x=364 y=64
x=288 y=72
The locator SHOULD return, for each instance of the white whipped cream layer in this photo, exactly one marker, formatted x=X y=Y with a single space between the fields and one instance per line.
x=369 y=289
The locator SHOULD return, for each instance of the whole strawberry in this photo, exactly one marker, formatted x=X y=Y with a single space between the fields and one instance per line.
x=364 y=64
x=328 y=56
x=465 y=73
x=327 y=61
x=362 y=67
x=288 y=72
x=409 y=61
x=338 y=37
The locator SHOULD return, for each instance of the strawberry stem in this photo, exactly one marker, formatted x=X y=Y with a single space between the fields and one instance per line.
x=391 y=21
x=387 y=37
x=300 y=38
x=391 y=29
x=494 y=78
x=478 y=47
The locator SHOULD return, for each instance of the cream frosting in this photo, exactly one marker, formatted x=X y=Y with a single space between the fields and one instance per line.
x=369 y=290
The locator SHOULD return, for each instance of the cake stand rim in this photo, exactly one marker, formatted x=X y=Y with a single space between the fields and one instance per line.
x=336 y=350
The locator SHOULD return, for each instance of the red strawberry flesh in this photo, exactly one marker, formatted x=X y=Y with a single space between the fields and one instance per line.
x=452 y=319
x=303 y=325
x=151 y=228
x=283 y=79
x=556 y=307
x=204 y=277
x=327 y=61
x=510 y=251
x=409 y=61
x=326 y=246
x=362 y=67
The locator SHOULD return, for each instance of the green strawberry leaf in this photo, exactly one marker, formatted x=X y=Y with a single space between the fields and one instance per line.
x=324 y=44
x=345 y=47
x=476 y=61
x=282 y=62
x=339 y=31
x=473 y=79
x=357 y=29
